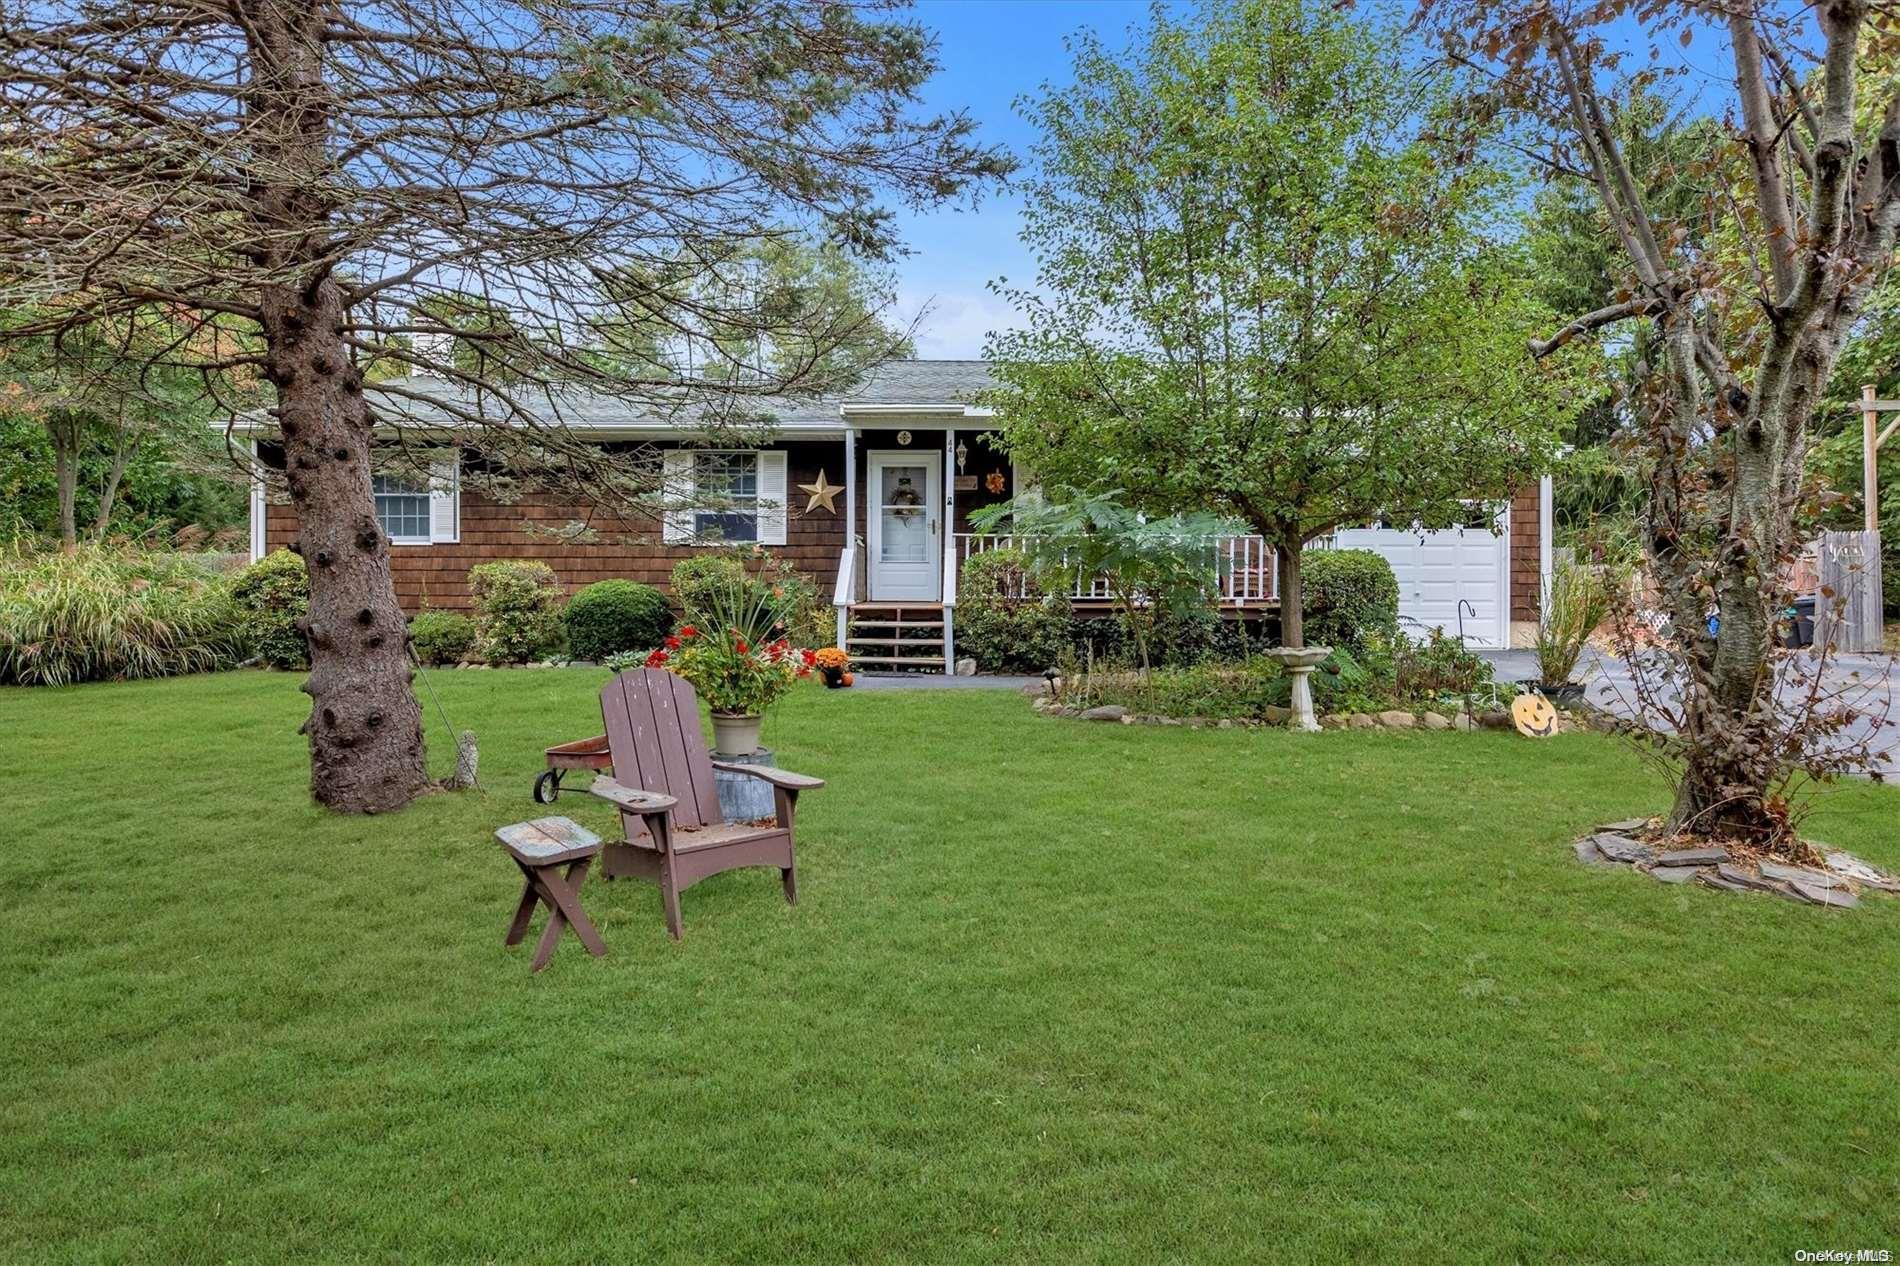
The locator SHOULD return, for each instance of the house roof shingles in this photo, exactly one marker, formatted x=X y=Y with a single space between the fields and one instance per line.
x=920 y=384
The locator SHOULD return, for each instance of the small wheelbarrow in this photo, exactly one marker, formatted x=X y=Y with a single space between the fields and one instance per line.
x=590 y=753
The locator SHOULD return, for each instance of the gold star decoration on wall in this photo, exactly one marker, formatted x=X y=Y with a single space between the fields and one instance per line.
x=822 y=494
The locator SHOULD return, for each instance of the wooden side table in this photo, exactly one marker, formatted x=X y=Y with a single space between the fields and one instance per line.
x=541 y=848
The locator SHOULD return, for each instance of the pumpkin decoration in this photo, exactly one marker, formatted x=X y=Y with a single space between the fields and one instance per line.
x=847 y=679
x=1535 y=716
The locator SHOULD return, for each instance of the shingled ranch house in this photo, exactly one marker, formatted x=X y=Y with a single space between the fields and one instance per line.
x=903 y=461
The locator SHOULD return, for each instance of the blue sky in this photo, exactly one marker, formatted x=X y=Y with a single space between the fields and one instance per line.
x=991 y=51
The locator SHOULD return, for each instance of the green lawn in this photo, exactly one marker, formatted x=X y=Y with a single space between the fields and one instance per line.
x=1053 y=992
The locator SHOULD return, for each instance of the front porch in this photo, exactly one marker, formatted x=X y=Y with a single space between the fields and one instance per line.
x=909 y=492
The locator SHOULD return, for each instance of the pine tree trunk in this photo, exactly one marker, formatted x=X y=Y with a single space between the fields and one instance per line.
x=65 y=437
x=365 y=726
x=1292 y=584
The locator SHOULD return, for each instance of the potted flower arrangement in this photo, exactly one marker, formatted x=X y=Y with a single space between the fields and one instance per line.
x=834 y=666
x=740 y=662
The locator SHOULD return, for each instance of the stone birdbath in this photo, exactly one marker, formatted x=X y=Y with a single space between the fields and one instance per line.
x=1301 y=661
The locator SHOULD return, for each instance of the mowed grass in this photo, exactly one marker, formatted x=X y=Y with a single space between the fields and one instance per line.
x=1053 y=992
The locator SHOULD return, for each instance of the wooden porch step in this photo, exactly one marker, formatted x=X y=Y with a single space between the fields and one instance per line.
x=897 y=606
x=894 y=641
x=917 y=661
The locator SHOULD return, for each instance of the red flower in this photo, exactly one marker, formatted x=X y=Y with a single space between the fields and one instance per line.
x=740 y=646
x=688 y=631
x=810 y=657
x=804 y=670
x=672 y=643
x=657 y=659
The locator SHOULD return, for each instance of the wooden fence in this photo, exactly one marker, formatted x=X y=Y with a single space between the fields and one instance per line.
x=1848 y=610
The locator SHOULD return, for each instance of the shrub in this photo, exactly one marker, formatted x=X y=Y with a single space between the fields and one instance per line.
x=99 y=613
x=442 y=637
x=700 y=580
x=273 y=595
x=1578 y=600
x=611 y=616
x=1004 y=620
x=707 y=580
x=1218 y=691
x=517 y=610
x=1351 y=595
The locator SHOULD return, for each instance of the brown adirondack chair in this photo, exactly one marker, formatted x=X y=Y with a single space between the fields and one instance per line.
x=669 y=806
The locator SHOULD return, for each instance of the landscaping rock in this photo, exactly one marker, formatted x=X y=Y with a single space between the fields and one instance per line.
x=1333 y=721
x=1396 y=720
x=1692 y=857
x=1621 y=848
x=1130 y=720
x=1674 y=874
x=1625 y=826
x=1801 y=875
x=1037 y=689
x=1854 y=868
x=966 y=668
x=1823 y=895
x=1105 y=712
x=1434 y=721
x=1464 y=722
x=1276 y=715
x=1741 y=878
x=1589 y=854
x=1714 y=878
x=1495 y=720
x=1362 y=721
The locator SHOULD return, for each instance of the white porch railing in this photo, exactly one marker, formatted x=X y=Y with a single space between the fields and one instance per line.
x=1247 y=572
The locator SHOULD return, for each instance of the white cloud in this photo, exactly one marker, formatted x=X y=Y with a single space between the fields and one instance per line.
x=954 y=324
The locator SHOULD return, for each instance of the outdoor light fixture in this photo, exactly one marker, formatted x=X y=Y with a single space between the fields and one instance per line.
x=963 y=455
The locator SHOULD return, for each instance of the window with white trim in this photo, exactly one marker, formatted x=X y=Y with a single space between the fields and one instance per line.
x=417 y=512
x=730 y=484
x=724 y=496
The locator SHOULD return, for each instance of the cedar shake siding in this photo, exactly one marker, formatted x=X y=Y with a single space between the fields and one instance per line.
x=1527 y=546
x=436 y=575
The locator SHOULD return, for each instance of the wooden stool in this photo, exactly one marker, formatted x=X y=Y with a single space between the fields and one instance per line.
x=540 y=848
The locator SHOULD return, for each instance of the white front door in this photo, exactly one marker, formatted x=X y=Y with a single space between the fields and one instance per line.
x=905 y=528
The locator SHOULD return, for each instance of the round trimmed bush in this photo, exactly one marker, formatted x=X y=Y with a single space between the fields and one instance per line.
x=517 y=610
x=1351 y=596
x=611 y=616
x=442 y=637
x=272 y=595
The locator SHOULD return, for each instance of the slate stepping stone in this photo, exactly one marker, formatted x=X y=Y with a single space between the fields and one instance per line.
x=1854 y=868
x=1621 y=848
x=1743 y=879
x=1692 y=857
x=1801 y=874
x=1839 y=897
x=1625 y=826
x=1715 y=879
x=1674 y=874
x=1589 y=854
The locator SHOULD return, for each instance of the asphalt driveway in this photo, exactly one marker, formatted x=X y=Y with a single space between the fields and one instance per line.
x=1870 y=684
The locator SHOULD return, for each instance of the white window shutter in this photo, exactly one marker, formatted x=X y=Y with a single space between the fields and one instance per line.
x=676 y=490
x=445 y=498
x=772 y=496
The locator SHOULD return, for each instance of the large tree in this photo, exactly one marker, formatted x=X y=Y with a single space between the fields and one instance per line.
x=1268 y=284
x=368 y=183
x=1751 y=299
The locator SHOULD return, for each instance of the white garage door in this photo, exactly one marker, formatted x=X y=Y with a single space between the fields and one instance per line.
x=1438 y=570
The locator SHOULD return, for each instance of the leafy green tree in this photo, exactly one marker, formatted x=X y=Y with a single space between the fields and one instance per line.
x=1268 y=285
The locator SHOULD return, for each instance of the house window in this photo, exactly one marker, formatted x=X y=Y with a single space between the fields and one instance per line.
x=402 y=508
x=729 y=483
x=721 y=496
